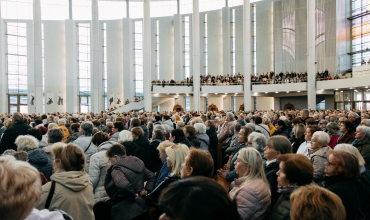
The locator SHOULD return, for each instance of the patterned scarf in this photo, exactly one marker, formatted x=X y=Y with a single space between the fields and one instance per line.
x=287 y=188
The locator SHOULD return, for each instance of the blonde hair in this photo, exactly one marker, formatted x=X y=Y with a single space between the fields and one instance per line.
x=163 y=145
x=252 y=158
x=71 y=156
x=52 y=126
x=15 y=175
x=176 y=154
x=353 y=150
x=315 y=202
x=196 y=120
x=62 y=122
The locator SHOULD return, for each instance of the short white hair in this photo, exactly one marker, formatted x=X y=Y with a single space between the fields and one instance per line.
x=62 y=122
x=259 y=140
x=230 y=116
x=200 y=128
x=353 y=150
x=26 y=142
x=353 y=114
x=125 y=136
x=322 y=137
x=364 y=129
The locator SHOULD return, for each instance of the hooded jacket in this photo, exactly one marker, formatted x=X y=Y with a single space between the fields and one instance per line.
x=38 y=159
x=204 y=141
x=99 y=165
x=73 y=194
x=124 y=179
x=83 y=142
x=141 y=151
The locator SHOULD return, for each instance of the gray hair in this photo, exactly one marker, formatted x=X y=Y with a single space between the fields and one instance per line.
x=87 y=128
x=322 y=137
x=367 y=122
x=62 y=122
x=353 y=150
x=333 y=125
x=18 y=117
x=55 y=135
x=364 y=130
x=230 y=116
x=26 y=142
x=125 y=136
x=259 y=141
x=200 y=128
x=353 y=114
x=306 y=111
x=159 y=127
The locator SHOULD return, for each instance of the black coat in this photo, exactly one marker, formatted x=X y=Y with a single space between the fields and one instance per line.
x=347 y=192
x=194 y=141
x=213 y=142
x=155 y=163
x=363 y=186
x=297 y=142
x=270 y=171
x=38 y=159
x=183 y=141
x=142 y=147
x=10 y=134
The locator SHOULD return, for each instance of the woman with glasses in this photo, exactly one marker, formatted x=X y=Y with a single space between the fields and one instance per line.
x=342 y=171
x=251 y=192
x=72 y=187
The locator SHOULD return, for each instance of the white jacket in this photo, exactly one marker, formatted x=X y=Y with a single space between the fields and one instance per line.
x=99 y=165
x=83 y=142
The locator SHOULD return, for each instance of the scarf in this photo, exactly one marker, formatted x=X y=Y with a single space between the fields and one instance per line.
x=287 y=188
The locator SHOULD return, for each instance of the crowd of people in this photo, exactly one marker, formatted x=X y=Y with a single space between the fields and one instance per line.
x=186 y=165
x=238 y=79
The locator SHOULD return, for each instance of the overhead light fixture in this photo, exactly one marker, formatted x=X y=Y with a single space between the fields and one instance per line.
x=351 y=88
x=215 y=93
x=366 y=87
x=236 y=93
x=225 y=93
x=341 y=91
x=266 y=92
x=298 y=91
x=287 y=91
x=336 y=89
x=276 y=92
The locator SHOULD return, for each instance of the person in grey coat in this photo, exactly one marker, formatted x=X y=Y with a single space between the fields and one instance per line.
x=85 y=143
x=201 y=130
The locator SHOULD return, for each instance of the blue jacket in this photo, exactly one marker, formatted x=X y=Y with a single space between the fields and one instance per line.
x=163 y=173
x=38 y=159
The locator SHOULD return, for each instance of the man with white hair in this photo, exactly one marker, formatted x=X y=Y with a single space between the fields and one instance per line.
x=362 y=143
x=225 y=130
x=365 y=122
x=200 y=133
x=355 y=119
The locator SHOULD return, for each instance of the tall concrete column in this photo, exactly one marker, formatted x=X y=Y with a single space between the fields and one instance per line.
x=96 y=64
x=37 y=56
x=226 y=42
x=147 y=56
x=196 y=56
x=311 y=53
x=3 y=79
x=247 y=55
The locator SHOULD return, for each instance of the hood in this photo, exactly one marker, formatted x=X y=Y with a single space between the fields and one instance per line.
x=142 y=141
x=37 y=157
x=106 y=145
x=203 y=137
x=73 y=180
x=131 y=163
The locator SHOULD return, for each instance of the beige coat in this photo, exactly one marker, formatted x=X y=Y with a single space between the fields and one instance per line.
x=73 y=194
x=253 y=198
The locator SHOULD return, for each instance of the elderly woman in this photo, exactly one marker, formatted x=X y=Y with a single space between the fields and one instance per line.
x=299 y=137
x=317 y=154
x=70 y=187
x=125 y=138
x=347 y=136
x=295 y=170
x=75 y=134
x=275 y=146
x=189 y=133
x=62 y=125
x=363 y=184
x=334 y=133
x=200 y=133
x=228 y=172
x=266 y=121
x=37 y=133
x=197 y=163
x=258 y=142
x=141 y=145
x=19 y=204
x=305 y=146
x=251 y=191
x=99 y=165
x=85 y=143
x=155 y=162
x=175 y=158
x=314 y=202
x=54 y=136
x=124 y=183
x=165 y=170
x=36 y=157
x=342 y=171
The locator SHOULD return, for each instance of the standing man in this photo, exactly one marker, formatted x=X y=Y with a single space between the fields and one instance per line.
x=10 y=134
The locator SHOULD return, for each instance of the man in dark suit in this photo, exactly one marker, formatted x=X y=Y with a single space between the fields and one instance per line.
x=10 y=134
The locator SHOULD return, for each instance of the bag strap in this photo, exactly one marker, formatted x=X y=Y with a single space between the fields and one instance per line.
x=50 y=196
x=87 y=147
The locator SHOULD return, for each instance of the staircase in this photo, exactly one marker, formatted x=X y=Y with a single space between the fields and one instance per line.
x=136 y=106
